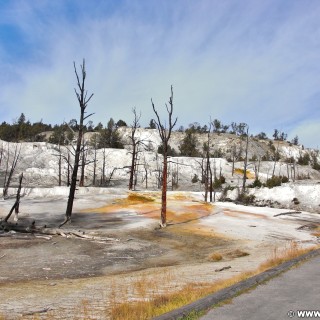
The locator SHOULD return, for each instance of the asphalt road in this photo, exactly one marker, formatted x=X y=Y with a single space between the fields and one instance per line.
x=282 y=297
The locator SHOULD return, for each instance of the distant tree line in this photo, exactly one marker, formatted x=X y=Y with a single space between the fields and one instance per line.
x=22 y=129
x=63 y=134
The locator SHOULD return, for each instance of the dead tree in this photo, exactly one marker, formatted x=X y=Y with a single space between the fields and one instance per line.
x=208 y=176
x=59 y=156
x=83 y=101
x=103 y=168
x=9 y=173
x=233 y=155
x=59 y=164
x=245 y=162
x=158 y=173
x=165 y=134
x=175 y=175
x=83 y=158
x=276 y=159
x=135 y=141
x=94 y=159
x=146 y=171
x=69 y=168
x=16 y=205
x=1 y=154
x=257 y=168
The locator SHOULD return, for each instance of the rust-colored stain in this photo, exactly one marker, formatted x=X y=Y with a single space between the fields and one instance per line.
x=183 y=215
x=149 y=205
x=180 y=197
x=249 y=174
x=242 y=214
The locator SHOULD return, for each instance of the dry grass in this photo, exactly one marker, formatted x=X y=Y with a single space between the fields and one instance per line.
x=237 y=254
x=290 y=251
x=316 y=232
x=157 y=304
x=216 y=256
x=155 y=294
x=165 y=302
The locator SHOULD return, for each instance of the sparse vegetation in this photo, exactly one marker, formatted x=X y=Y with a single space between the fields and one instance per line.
x=245 y=198
x=276 y=181
x=216 y=256
x=295 y=201
x=237 y=254
x=195 y=178
x=158 y=303
x=256 y=184
x=304 y=159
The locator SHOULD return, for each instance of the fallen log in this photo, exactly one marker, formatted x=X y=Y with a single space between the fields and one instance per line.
x=7 y=226
x=287 y=213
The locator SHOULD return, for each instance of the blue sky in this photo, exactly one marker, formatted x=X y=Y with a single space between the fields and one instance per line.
x=235 y=60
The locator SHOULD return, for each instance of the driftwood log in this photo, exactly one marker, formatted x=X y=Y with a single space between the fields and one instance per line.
x=68 y=233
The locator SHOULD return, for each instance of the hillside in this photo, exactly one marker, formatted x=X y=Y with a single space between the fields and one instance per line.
x=39 y=161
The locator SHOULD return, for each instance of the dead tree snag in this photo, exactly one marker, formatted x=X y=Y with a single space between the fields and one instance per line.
x=83 y=101
x=165 y=134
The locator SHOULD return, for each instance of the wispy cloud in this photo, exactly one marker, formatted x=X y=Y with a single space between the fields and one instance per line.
x=248 y=61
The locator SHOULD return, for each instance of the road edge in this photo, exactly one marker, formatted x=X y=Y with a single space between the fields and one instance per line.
x=209 y=301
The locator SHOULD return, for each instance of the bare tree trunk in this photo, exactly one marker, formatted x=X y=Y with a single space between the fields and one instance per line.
x=68 y=170
x=146 y=176
x=234 y=150
x=207 y=182
x=132 y=167
x=245 y=163
x=1 y=154
x=164 y=190
x=135 y=142
x=6 y=172
x=136 y=169
x=8 y=176
x=145 y=166
x=17 y=202
x=103 y=169
x=165 y=135
x=275 y=160
x=211 y=183
x=83 y=102
x=59 y=165
x=83 y=163
x=94 y=164
x=18 y=197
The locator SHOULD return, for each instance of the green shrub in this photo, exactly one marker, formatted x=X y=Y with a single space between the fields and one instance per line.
x=256 y=184
x=195 y=179
x=304 y=159
x=218 y=182
x=276 y=181
x=295 y=201
x=245 y=199
x=316 y=166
